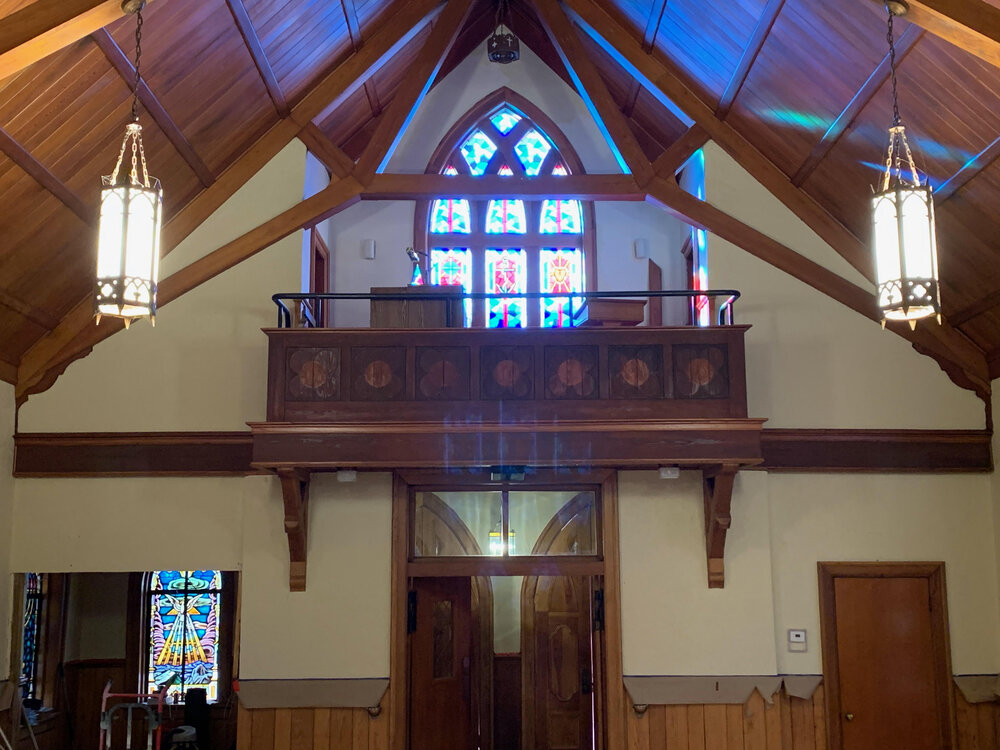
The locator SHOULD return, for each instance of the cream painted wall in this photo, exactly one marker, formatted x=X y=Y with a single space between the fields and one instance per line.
x=812 y=362
x=6 y=520
x=672 y=623
x=885 y=518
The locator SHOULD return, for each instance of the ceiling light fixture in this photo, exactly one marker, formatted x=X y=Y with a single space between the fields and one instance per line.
x=502 y=46
x=903 y=222
x=128 y=250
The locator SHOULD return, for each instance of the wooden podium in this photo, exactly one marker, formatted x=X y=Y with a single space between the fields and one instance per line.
x=417 y=313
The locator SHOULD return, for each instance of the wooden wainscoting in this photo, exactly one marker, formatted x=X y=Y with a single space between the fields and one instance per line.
x=312 y=729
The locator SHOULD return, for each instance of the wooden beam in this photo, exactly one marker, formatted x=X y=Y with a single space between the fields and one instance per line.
x=858 y=102
x=40 y=174
x=972 y=25
x=717 y=484
x=45 y=26
x=593 y=91
x=156 y=110
x=39 y=317
x=753 y=47
x=977 y=308
x=583 y=186
x=666 y=84
x=8 y=372
x=256 y=49
x=354 y=31
x=334 y=159
x=653 y=24
x=678 y=152
x=413 y=89
x=295 y=493
x=970 y=169
x=993 y=361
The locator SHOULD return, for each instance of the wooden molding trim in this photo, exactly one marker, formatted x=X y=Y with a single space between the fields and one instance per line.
x=153 y=454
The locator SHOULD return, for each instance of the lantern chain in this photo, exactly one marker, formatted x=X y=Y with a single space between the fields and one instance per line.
x=138 y=60
x=892 y=71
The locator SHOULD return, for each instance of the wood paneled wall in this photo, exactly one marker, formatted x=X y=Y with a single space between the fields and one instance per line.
x=978 y=724
x=312 y=729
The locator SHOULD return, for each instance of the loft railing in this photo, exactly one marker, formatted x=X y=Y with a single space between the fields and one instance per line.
x=310 y=308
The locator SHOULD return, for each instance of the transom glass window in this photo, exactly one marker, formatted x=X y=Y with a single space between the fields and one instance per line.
x=506 y=245
x=31 y=634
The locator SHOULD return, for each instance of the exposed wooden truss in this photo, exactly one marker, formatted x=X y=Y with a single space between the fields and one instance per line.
x=973 y=25
x=767 y=18
x=249 y=34
x=40 y=174
x=680 y=151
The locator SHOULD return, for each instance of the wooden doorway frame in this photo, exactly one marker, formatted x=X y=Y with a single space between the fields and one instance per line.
x=941 y=644
x=614 y=715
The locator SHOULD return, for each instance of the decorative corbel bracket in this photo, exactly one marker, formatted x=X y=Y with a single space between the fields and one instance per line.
x=295 y=491
x=718 y=487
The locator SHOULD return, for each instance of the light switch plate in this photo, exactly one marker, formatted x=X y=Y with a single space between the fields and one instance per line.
x=797 y=641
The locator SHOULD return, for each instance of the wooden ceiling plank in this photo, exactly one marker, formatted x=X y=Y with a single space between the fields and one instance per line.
x=334 y=159
x=256 y=49
x=678 y=152
x=35 y=315
x=977 y=308
x=653 y=24
x=152 y=104
x=593 y=91
x=974 y=166
x=753 y=47
x=419 y=78
x=581 y=186
x=354 y=31
x=40 y=174
x=668 y=87
x=38 y=30
x=858 y=102
x=972 y=25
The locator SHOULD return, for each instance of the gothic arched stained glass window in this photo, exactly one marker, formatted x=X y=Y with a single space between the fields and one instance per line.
x=504 y=244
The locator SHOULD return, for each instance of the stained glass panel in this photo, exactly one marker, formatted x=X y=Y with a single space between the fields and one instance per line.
x=506 y=272
x=505 y=217
x=30 y=634
x=184 y=630
x=561 y=273
x=451 y=216
x=560 y=217
x=532 y=150
x=559 y=170
x=452 y=266
x=450 y=170
x=505 y=171
x=505 y=120
x=477 y=150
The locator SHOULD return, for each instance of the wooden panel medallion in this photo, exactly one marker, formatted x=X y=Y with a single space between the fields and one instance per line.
x=378 y=373
x=313 y=374
x=636 y=371
x=571 y=372
x=700 y=371
x=506 y=372
x=443 y=373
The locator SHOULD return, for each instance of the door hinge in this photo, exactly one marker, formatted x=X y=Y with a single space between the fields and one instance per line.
x=411 y=612
x=599 y=609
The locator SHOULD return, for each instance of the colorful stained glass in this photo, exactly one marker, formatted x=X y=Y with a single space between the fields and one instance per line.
x=505 y=171
x=452 y=266
x=450 y=170
x=184 y=630
x=451 y=216
x=561 y=273
x=505 y=217
x=30 y=634
x=532 y=150
x=505 y=120
x=559 y=170
x=477 y=150
x=506 y=272
x=560 y=217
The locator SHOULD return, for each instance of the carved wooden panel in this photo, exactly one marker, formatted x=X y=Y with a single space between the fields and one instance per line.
x=507 y=372
x=313 y=374
x=443 y=373
x=635 y=371
x=571 y=372
x=700 y=371
x=378 y=373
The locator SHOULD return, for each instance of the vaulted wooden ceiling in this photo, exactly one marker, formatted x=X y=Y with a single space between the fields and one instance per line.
x=795 y=90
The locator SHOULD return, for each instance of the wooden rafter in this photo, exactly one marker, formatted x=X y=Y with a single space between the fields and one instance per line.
x=680 y=151
x=593 y=91
x=41 y=28
x=295 y=493
x=970 y=169
x=256 y=50
x=40 y=174
x=653 y=24
x=354 y=32
x=717 y=484
x=8 y=372
x=334 y=159
x=40 y=318
x=858 y=102
x=972 y=25
x=414 y=88
x=977 y=308
x=753 y=47
x=152 y=105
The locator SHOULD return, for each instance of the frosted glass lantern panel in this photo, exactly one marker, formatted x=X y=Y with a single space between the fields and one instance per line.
x=918 y=235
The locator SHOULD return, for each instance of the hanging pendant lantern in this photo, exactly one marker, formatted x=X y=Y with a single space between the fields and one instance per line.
x=128 y=252
x=502 y=46
x=903 y=234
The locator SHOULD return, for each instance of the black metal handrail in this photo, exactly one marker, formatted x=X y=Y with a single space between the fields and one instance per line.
x=725 y=312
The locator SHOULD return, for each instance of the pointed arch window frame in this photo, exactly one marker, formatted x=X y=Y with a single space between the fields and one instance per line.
x=532 y=241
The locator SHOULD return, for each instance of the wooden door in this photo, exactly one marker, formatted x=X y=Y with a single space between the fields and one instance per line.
x=441 y=665
x=885 y=655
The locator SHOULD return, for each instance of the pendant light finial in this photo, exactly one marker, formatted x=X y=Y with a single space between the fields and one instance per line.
x=502 y=46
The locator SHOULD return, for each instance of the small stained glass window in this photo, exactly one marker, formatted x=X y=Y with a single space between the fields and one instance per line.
x=451 y=216
x=505 y=217
x=505 y=171
x=505 y=120
x=562 y=274
x=532 y=150
x=560 y=217
x=452 y=266
x=506 y=272
x=184 y=631
x=477 y=150
x=450 y=170
x=31 y=634
x=559 y=170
